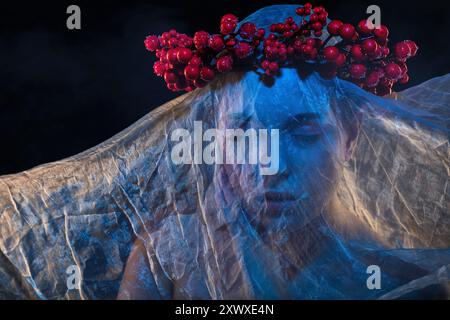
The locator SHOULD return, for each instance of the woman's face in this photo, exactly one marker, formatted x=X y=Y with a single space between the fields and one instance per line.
x=309 y=155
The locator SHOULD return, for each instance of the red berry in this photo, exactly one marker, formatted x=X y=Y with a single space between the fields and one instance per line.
x=227 y=27
x=382 y=32
x=370 y=46
x=282 y=54
x=365 y=27
x=247 y=30
x=260 y=33
x=165 y=36
x=159 y=68
x=289 y=20
x=185 y=41
x=231 y=42
x=173 y=42
x=412 y=47
x=243 y=50
x=341 y=60
x=386 y=82
x=378 y=53
x=161 y=53
x=404 y=67
x=358 y=71
x=300 y=11
x=229 y=17
x=334 y=27
x=265 y=64
x=273 y=67
x=393 y=71
x=287 y=26
x=196 y=61
x=170 y=76
x=318 y=10
x=216 y=43
x=310 y=52
x=405 y=79
x=380 y=72
x=310 y=42
x=181 y=84
x=290 y=51
x=224 y=64
x=172 y=56
x=317 y=26
x=298 y=43
x=270 y=52
x=184 y=55
x=372 y=79
x=199 y=83
x=201 y=39
x=191 y=72
x=152 y=43
x=357 y=53
x=331 y=53
x=277 y=28
x=402 y=51
x=347 y=31
x=171 y=86
x=207 y=74
x=323 y=17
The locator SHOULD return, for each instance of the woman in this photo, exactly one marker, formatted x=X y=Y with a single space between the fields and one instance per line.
x=361 y=181
x=293 y=234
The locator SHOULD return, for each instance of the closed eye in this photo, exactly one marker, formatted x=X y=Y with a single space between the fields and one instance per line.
x=305 y=124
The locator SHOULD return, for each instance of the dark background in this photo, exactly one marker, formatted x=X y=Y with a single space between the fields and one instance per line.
x=64 y=91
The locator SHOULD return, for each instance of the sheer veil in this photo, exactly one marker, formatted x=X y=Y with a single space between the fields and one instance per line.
x=204 y=227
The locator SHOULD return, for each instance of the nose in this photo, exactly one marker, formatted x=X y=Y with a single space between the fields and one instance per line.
x=272 y=181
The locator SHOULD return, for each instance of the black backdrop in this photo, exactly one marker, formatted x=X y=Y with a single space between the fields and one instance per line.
x=64 y=91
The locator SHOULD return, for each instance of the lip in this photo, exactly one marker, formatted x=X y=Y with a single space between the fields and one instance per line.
x=278 y=196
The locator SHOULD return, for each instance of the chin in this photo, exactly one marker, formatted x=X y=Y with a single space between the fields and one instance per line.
x=280 y=217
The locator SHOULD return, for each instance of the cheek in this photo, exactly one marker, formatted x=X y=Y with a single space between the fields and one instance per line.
x=311 y=168
x=314 y=166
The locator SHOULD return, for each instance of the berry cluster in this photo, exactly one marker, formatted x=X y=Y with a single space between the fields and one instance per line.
x=360 y=54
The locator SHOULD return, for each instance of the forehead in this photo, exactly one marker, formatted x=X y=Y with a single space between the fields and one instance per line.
x=289 y=96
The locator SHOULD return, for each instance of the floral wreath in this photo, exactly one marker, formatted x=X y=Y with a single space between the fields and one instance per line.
x=361 y=55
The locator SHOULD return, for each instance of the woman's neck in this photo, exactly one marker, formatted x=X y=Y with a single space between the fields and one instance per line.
x=350 y=226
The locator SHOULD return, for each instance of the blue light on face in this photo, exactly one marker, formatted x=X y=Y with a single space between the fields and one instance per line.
x=308 y=150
